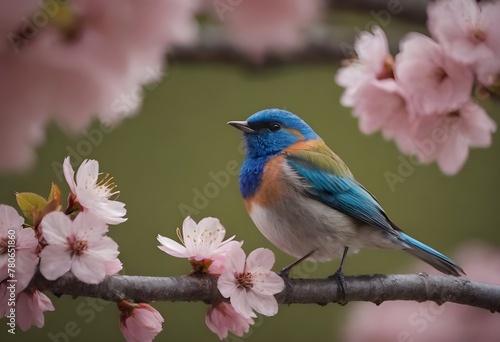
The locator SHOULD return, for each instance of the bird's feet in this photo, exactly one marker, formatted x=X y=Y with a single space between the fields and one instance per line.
x=285 y=272
x=339 y=276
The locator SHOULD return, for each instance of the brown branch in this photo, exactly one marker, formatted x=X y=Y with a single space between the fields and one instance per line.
x=372 y=288
x=326 y=43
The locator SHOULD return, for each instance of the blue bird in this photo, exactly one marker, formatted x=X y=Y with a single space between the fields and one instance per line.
x=305 y=200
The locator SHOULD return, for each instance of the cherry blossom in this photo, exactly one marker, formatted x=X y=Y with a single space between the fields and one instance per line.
x=203 y=244
x=139 y=322
x=373 y=62
x=30 y=306
x=250 y=284
x=446 y=138
x=432 y=81
x=381 y=106
x=221 y=318
x=88 y=59
x=259 y=26
x=93 y=193
x=21 y=243
x=78 y=246
x=468 y=31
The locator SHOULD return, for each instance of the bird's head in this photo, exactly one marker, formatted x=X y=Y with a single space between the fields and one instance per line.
x=270 y=131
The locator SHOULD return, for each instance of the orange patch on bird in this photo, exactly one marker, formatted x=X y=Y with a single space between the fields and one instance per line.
x=300 y=146
x=271 y=186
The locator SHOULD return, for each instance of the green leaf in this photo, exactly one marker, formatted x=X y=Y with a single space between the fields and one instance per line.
x=30 y=204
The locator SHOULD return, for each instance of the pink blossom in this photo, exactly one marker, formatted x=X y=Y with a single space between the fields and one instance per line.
x=89 y=59
x=113 y=266
x=381 y=106
x=203 y=244
x=446 y=138
x=139 y=322
x=432 y=81
x=424 y=322
x=374 y=62
x=221 y=318
x=259 y=26
x=19 y=244
x=30 y=307
x=468 y=31
x=93 y=193
x=78 y=245
x=250 y=284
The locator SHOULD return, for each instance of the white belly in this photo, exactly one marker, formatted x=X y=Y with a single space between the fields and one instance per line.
x=299 y=228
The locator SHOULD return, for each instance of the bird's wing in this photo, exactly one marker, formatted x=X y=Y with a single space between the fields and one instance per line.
x=329 y=181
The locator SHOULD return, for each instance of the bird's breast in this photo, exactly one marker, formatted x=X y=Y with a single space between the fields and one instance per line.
x=272 y=185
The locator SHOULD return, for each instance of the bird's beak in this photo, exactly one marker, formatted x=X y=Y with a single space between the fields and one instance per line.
x=242 y=126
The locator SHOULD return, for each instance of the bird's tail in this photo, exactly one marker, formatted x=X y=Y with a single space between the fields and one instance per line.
x=431 y=256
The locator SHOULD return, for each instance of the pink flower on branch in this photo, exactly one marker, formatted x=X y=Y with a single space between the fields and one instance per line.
x=251 y=285
x=381 y=106
x=30 y=307
x=90 y=59
x=260 y=26
x=79 y=246
x=222 y=319
x=139 y=322
x=447 y=138
x=432 y=81
x=92 y=193
x=468 y=31
x=372 y=63
x=203 y=244
x=18 y=244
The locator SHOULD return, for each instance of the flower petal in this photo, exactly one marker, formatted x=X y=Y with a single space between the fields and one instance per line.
x=54 y=261
x=172 y=247
x=241 y=304
x=69 y=174
x=88 y=268
x=260 y=257
x=264 y=304
x=226 y=284
x=56 y=227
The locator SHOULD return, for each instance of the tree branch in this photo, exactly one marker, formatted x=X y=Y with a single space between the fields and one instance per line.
x=324 y=44
x=373 y=288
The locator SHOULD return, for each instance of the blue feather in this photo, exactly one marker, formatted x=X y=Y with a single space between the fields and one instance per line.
x=343 y=194
x=414 y=243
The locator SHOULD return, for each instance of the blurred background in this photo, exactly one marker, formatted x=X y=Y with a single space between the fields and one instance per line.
x=166 y=155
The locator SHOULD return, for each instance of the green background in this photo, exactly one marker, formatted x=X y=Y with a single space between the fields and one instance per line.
x=167 y=151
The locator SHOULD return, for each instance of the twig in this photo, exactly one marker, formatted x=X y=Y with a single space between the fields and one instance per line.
x=372 y=288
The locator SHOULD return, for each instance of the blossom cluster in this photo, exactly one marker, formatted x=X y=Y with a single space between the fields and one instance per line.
x=73 y=61
x=247 y=282
x=422 y=97
x=74 y=240
x=57 y=242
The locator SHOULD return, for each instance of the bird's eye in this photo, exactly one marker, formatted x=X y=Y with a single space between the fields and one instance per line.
x=274 y=127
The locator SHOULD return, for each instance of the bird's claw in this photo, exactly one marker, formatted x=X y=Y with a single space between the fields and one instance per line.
x=339 y=276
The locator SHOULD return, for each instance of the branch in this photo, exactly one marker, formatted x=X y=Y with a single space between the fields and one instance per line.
x=324 y=44
x=372 y=288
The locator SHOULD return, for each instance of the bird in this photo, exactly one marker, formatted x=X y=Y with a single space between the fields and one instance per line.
x=304 y=199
